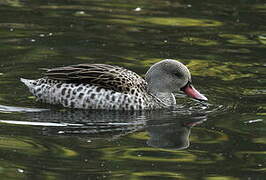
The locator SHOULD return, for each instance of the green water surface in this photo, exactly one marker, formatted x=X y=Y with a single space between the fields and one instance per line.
x=222 y=42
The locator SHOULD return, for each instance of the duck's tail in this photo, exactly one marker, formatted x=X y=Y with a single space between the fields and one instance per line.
x=27 y=82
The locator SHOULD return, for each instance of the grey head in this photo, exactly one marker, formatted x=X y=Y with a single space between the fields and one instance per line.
x=169 y=76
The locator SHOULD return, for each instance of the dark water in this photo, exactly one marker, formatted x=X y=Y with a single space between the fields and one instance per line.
x=222 y=42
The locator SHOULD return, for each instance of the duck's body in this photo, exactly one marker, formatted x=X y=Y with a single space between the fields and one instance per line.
x=99 y=86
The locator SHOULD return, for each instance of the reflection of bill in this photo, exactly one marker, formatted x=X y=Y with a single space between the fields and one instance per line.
x=171 y=135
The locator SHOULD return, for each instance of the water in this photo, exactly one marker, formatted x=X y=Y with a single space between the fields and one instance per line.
x=222 y=43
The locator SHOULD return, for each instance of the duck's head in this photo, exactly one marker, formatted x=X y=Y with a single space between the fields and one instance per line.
x=168 y=76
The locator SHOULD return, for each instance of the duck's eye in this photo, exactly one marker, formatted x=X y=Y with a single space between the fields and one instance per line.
x=178 y=74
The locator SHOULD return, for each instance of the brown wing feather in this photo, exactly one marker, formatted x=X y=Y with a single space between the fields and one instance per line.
x=102 y=75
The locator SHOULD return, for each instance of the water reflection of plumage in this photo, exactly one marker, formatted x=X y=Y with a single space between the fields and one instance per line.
x=174 y=136
x=166 y=130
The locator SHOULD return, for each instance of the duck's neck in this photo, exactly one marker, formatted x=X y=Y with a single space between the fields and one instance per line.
x=166 y=98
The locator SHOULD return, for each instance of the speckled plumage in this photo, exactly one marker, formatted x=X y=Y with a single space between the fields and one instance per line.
x=100 y=86
x=86 y=96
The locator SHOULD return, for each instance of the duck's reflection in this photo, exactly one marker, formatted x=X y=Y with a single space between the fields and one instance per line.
x=166 y=129
x=173 y=135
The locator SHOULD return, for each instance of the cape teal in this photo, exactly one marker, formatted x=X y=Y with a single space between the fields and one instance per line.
x=102 y=86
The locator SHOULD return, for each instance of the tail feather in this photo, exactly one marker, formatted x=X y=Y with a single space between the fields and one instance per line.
x=27 y=82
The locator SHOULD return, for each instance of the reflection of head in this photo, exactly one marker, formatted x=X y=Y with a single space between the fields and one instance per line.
x=172 y=136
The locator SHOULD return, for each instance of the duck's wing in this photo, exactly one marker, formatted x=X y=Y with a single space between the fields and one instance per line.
x=106 y=76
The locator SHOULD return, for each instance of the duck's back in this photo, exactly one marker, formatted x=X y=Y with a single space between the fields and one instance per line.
x=102 y=75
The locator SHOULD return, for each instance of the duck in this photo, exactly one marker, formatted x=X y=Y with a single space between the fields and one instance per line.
x=110 y=87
